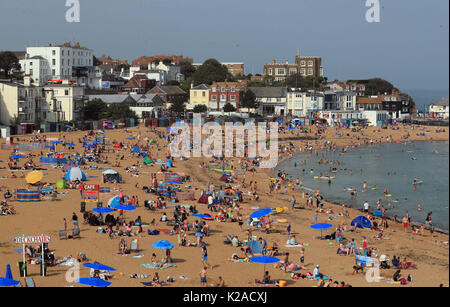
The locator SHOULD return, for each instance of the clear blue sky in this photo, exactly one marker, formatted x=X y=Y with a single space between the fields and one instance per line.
x=409 y=47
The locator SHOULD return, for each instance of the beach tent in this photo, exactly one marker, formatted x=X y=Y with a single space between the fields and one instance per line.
x=61 y=184
x=147 y=160
x=255 y=246
x=49 y=160
x=136 y=149
x=111 y=175
x=28 y=196
x=74 y=174
x=169 y=163
x=361 y=222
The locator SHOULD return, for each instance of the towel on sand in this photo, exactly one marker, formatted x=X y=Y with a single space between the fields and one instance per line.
x=155 y=266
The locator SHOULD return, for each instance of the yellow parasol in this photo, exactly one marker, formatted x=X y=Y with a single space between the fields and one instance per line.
x=34 y=176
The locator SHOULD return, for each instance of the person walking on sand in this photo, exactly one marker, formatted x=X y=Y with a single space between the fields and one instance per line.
x=203 y=277
x=205 y=256
x=75 y=220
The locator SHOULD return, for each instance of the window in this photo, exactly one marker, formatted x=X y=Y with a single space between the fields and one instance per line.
x=195 y=94
x=292 y=71
x=31 y=63
x=222 y=89
x=223 y=97
x=310 y=71
x=203 y=94
x=214 y=97
x=270 y=71
x=53 y=62
x=233 y=97
x=303 y=63
x=53 y=52
x=62 y=52
x=280 y=71
x=302 y=71
x=66 y=92
x=53 y=72
x=233 y=89
x=310 y=63
x=31 y=71
x=213 y=89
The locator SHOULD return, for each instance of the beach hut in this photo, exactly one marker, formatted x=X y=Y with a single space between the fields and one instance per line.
x=147 y=160
x=255 y=246
x=361 y=222
x=74 y=174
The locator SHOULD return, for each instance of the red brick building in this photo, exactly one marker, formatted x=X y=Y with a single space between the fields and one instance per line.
x=221 y=93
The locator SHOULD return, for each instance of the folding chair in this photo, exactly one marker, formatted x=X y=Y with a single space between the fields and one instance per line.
x=134 y=245
x=76 y=233
x=62 y=234
x=30 y=282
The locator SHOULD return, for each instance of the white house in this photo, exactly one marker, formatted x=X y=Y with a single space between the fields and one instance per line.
x=439 y=109
x=63 y=62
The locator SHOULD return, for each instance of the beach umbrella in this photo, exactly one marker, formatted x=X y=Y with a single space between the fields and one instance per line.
x=261 y=213
x=93 y=282
x=34 y=176
x=5 y=282
x=70 y=145
x=264 y=259
x=103 y=210
x=75 y=173
x=115 y=201
x=8 y=274
x=110 y=172
x=56 y=142
x=98 y=266
x=163 y=244
x=321 y=226
x=124 y=207
x=361 y=222
x=16 y=156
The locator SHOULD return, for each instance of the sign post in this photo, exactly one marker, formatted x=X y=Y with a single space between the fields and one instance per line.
x=90 y=192
x=32 y=240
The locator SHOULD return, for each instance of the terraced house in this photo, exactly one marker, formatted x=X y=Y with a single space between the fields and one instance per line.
x=221 y=93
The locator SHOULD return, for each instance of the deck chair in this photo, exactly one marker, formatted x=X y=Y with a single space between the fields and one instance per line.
x=76 y=233
x=134 y=245
x=30 y=282
x=62 y=234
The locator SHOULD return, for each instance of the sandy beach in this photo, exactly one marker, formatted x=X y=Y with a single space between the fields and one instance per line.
x=427 y=251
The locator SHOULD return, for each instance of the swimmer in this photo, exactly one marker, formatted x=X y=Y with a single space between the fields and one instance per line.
x=419 y=207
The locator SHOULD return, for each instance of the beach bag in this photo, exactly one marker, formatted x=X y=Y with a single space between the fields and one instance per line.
x=403 y=281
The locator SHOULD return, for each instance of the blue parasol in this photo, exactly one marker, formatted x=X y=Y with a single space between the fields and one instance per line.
x=16 y=157
x=115 y=201
x=261 y=213
x=103 y=210
x=264 y=259
x=321 y=226
x=50 y=147
x=124 y=207
x=8 y=274
x=5 y=282
x=56 y=142
x=163 y=244
x=94 y=282
x=98 y=266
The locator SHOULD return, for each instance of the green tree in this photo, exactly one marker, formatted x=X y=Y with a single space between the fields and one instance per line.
x=120 y=66
x=178 y=105
x=211 y=70
x=167 y=61
x=228 y=108
x=375 y=86
x=249 y=100
x=8 y=61
x=121 y=111
x=95 y=109
x=173 y=82
x=200 y=108
x=186 y=68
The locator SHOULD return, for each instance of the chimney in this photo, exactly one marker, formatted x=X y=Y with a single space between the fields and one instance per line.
x=27 y=80
x=149 y=66
x=287 y=62
x=192 y=84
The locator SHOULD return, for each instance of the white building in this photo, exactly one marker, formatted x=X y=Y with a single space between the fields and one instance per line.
x=38 y=68
x=439 y=109
x=62 y=62
x=172 y=72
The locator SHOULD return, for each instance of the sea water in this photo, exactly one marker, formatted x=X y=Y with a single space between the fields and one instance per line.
x=383 y=166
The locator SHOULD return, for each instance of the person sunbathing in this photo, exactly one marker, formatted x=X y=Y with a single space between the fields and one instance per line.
x=408 y=264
